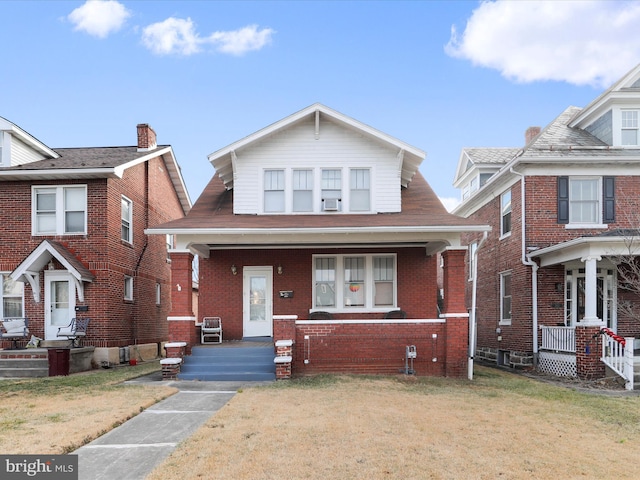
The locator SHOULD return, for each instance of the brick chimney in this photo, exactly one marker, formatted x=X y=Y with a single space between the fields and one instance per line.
x=146 y=138
x=530 y=134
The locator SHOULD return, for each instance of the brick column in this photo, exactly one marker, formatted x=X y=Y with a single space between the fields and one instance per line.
x=284 y=336
x=588 y=352
x=181 y=320
x=455 y=312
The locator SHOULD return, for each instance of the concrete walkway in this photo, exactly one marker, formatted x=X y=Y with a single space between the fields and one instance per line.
x=135 y=448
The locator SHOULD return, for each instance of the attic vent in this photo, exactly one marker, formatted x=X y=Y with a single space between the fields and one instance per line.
x=330 y=204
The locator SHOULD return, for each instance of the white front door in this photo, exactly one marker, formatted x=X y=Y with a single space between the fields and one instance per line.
x=257 y=301
x=59 y=302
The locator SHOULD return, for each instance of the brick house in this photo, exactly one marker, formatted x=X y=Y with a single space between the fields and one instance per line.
x=561 y=210
x=321 y=213
x=73 y=223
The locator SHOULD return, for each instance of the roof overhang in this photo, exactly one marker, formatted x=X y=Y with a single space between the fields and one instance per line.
x=29 y=270
x=583 y=247
x=13 y=129
x=432 y=238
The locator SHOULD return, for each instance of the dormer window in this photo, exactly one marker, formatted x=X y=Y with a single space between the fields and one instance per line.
x=302 y=191
x=274 y=191
x=331 y=189
x=629 y=125
x=360 y=198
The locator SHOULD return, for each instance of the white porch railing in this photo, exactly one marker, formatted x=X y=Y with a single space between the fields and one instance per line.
x=559 y=339
x=617 y=354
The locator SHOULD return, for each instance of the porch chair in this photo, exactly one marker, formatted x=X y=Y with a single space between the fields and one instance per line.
x=320 y=316
x=14 y=329
x=397 y=314
x=211 y=329
x=75 y=331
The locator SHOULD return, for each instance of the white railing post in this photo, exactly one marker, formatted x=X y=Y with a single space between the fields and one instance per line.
x=628 y=363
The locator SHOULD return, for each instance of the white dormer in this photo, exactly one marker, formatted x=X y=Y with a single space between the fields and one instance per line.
x=17 y=147
x=317 y=161
x=614 y=117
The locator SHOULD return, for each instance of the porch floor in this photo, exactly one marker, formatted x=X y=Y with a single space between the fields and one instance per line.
x=250 y=342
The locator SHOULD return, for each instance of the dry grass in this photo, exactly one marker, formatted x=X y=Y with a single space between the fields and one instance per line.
x=59 y=414
x=500 y=425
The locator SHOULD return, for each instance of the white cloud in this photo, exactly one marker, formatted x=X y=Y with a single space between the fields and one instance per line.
x=172 y=36
x=579 y=42
x=178 y=36
x=99 y=17
x=450 y=202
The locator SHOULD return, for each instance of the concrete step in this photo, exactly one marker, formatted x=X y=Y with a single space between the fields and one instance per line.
x=24 y=372
x=229 y=364
x=228 y=377
x=23 y=363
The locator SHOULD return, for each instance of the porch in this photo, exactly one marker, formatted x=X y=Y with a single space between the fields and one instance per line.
x=560 y=356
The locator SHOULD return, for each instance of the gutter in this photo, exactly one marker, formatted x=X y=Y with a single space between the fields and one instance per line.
x=472 y=316
x=534 y=269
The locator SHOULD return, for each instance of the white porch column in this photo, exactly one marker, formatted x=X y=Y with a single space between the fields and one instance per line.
x=591 y=290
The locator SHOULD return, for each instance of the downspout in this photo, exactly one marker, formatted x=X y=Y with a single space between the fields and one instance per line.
x=534 y=269
x=472 y=316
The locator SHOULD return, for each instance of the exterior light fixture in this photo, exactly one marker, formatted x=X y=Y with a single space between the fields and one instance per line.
x=279 y=269
x=234 y=270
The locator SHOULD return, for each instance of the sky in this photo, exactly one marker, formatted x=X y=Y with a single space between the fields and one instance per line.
x=438 y=75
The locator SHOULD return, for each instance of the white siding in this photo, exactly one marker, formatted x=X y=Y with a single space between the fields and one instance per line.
x=21 y=153
x=336 y=147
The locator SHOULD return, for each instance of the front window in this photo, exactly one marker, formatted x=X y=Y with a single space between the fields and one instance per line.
x=505 y=213
x=584 y=200
x=274 y=191
x=302 y=190
x=505 y=298
x=355 y=282
x=360 y=200
x=59 y=210
x=12 y=297
x=629 y=123
x=127 y=214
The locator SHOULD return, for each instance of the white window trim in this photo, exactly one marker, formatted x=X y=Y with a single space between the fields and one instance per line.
x=505 y=321
x=130 y=220
x=60 y=227
x=128 y=292
x=369 y=284
x=4 y=275
x=598 y=223
x=504 y=234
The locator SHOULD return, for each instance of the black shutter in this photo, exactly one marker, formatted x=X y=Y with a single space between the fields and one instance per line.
x=609 y=200
x=563 y=199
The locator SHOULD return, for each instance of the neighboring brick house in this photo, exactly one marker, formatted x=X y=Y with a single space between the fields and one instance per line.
x=321 y=213
x=73 y=223
x=545 y=291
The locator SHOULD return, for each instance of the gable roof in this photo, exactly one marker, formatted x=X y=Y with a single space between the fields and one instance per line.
x=223 y=159
x=98 y=162
x=625 y=89
x=27 y=138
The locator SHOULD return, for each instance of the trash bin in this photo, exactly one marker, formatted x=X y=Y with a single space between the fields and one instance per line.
x=58 y=361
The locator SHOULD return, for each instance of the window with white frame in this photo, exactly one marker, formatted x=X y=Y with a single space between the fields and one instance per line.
x=12 y=297
x=302 y=191
x=127 y=219
x=584 y=200
x=505 y=213
x=331 y=182
x=355 y=282
x=274 y=191
x=128 y=287
x=360 y=188
x=59 y=210
x=629 y=125
x=505 y=298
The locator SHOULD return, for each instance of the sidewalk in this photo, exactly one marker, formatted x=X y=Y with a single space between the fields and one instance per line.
x=132 y=450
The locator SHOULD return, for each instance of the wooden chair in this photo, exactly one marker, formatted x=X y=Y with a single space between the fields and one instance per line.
x=211 y=329
x=75 y=331
x=15 y=329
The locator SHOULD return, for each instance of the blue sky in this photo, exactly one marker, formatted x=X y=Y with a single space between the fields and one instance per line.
x=439 y=75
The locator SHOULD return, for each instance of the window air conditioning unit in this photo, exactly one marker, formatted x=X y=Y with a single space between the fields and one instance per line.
x=330 y=204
